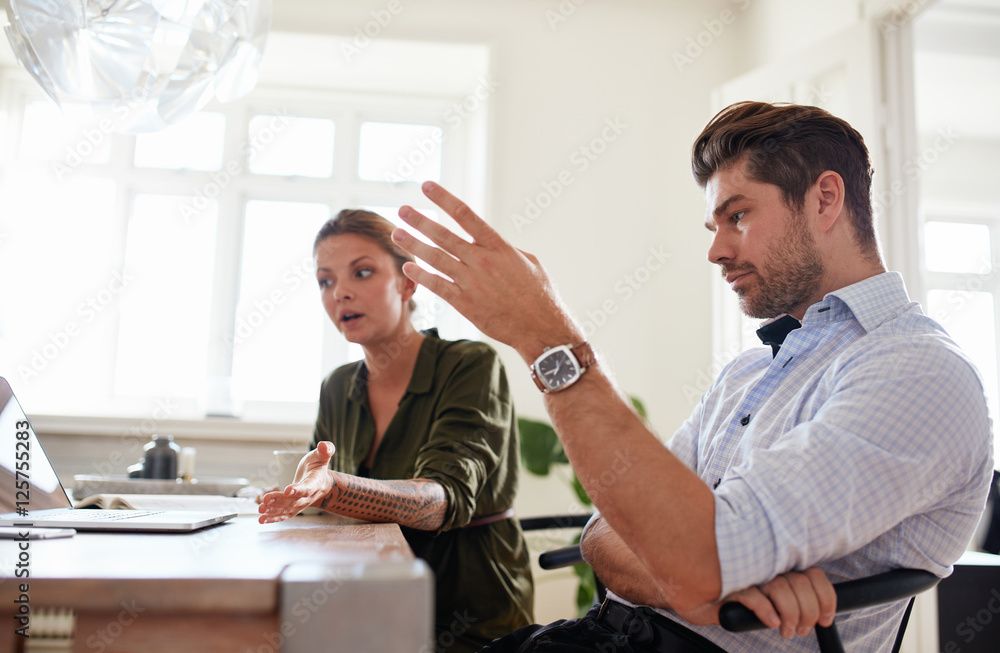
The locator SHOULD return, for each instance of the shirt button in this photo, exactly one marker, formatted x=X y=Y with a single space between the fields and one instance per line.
x=745 y=420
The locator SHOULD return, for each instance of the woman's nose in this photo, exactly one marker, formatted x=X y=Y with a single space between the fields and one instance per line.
x=341 y=291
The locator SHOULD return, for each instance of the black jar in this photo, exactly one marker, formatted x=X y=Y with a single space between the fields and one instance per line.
x=160 y=459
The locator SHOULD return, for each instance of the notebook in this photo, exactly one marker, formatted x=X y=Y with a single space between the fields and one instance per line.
x=31 y=493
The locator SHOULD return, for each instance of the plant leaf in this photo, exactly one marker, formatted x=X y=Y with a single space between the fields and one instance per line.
x=581 y=493
x=639 y=406
x=540 y=446
x=586 y=590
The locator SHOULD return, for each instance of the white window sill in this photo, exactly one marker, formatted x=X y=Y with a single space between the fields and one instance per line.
x=287 y=434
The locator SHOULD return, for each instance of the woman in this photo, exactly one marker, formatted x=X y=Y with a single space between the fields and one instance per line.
x=435 y=416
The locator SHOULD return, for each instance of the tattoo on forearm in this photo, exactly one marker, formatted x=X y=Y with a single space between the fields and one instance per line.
x=419 y=504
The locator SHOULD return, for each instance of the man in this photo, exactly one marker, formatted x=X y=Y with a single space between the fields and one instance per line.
x=857 y=444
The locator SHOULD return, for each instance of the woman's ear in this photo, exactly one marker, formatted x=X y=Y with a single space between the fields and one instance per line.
x=407 y=287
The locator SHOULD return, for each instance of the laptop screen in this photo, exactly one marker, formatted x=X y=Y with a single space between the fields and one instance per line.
x=26 y=475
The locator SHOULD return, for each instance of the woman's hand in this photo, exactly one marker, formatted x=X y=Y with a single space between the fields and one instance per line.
x=313 y=482
x=795 y=602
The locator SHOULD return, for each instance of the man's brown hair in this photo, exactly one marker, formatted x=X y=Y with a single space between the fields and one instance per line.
x=789 y=146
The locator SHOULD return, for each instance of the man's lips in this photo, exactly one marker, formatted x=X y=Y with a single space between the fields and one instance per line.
x=734 y=277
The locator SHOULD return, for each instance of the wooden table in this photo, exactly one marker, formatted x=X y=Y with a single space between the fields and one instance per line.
x=219 y=589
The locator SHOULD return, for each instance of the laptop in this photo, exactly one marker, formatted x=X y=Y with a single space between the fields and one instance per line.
x=31 y=494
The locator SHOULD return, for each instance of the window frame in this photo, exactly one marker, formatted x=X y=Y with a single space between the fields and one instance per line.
x=463 y=152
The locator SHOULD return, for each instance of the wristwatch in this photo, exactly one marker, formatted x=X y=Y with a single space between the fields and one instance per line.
x=560 y=367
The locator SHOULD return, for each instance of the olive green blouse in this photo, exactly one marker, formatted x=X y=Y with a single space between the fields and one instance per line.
x=455 y=425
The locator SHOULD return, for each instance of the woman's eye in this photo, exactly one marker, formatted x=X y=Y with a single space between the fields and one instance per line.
x=364 y=273
x=324 y=283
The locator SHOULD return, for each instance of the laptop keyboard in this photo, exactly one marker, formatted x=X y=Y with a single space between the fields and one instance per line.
x=106 y=515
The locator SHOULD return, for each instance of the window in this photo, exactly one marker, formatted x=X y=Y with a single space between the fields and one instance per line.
x=956 y=65
x=176 y=267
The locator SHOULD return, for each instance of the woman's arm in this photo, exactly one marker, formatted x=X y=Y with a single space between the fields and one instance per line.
x=417 y=503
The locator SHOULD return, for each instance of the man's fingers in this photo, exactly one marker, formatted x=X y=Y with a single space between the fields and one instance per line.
x=807 y=601
x=475 y=226
x=438 y=233
x=785 y=602
x=438 y=285
x=754 y=599
x=825 y=593
x=437 y=258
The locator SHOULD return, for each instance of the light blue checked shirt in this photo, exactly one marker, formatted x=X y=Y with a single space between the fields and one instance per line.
x=867 y=448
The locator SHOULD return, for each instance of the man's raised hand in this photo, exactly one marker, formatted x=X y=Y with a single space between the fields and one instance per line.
x=502 y=290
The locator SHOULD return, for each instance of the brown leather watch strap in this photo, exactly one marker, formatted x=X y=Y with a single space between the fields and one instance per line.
x=585 y=355
x=538 y=381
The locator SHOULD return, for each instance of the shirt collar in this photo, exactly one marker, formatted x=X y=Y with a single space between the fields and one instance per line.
x=870 y=301
x=423 y=370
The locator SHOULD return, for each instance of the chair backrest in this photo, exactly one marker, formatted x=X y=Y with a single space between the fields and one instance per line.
x=566 y=556
x=991 y=543
x=902 y=625
x=554 y=521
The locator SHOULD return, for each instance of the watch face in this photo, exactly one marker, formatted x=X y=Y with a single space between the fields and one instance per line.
x=558 y=368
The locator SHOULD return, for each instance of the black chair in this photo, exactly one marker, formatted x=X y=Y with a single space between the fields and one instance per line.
x=566 y=556
x=554 y=521
x=991 y=543
x=851 y=595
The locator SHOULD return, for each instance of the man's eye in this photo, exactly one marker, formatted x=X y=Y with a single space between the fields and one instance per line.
x=736 y=217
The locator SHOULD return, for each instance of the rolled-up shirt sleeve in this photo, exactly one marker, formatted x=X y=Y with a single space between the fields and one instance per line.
x=901 y=438
x=472 y=438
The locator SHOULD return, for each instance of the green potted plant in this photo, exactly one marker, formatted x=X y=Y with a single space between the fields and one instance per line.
x=540 y=451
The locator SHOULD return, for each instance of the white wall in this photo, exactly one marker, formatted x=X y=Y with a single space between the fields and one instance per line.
x=646 y=65
x=558 y=85
x=776 y=29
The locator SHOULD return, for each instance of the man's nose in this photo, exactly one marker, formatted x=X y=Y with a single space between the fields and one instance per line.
x=722 y=248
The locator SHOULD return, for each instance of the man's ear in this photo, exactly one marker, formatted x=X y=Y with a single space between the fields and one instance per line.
x=829 y=190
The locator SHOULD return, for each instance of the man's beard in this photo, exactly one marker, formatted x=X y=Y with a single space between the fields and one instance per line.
x=792 y=273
